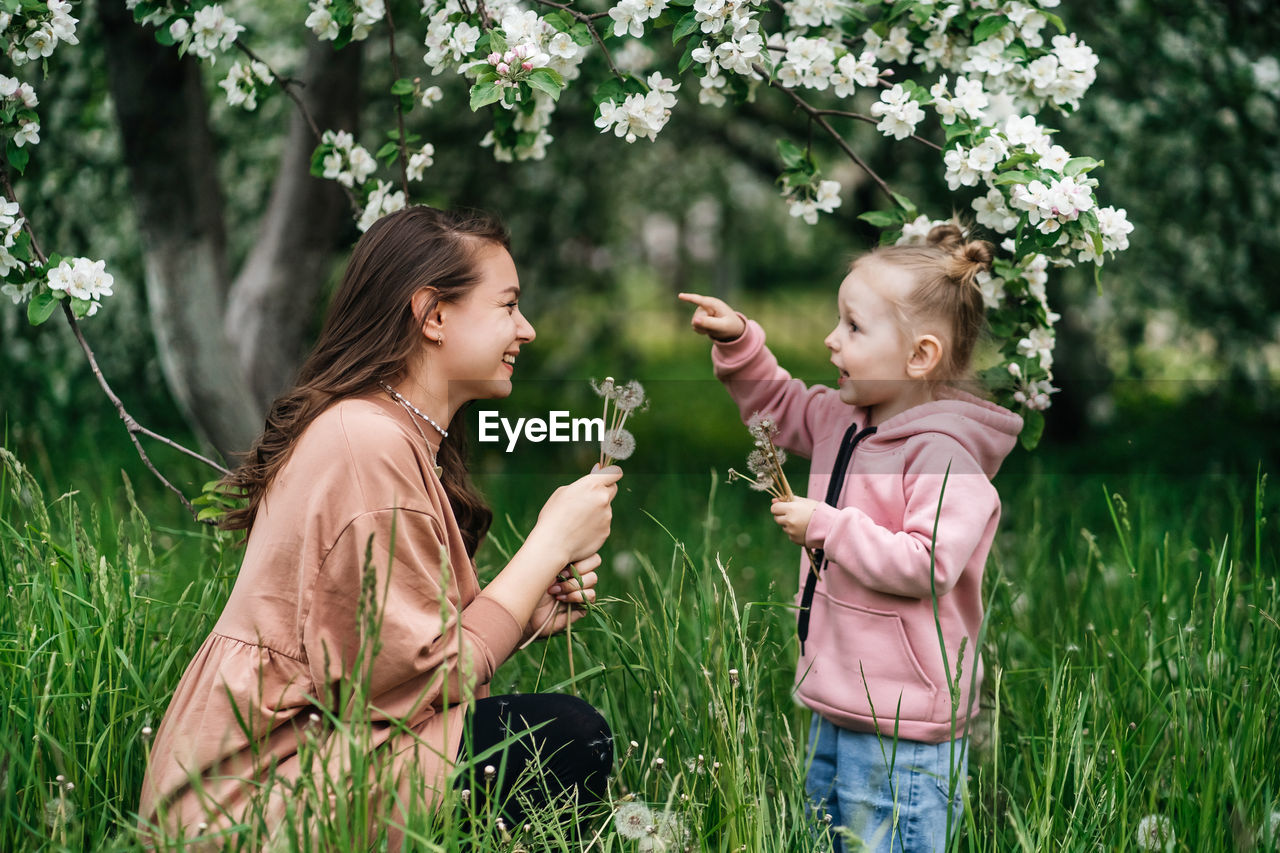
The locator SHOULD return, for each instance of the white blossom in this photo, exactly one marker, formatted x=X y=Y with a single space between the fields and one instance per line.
x=420 y=160
x=242 y=81
x=213 y=31
x=381 y=202
x=81 y=278
x=899 y=113
x=1039 y=344
x=28 y=134
x=431 y=96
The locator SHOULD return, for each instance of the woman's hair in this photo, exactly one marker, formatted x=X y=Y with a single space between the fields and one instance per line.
x=946 y=270
x=370 y=335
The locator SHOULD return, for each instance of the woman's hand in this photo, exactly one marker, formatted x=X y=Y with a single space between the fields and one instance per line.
x=576 y=518
x=563 y=601
x=714 y=318
x=793 y=517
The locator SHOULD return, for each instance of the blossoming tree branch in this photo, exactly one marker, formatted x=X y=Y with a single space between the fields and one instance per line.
x=973 y=85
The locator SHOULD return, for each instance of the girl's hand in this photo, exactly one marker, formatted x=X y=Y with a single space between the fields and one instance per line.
x=793 y=517
x=714 y=318
x=575 y=520
x=574 y=587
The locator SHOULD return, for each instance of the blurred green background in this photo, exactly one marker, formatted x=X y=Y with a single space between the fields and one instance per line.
x=1170 y=366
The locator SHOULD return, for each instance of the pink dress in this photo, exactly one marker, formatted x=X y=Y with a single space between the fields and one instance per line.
x=359 y=483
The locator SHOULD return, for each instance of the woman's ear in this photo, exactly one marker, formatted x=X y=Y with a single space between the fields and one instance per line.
x=429 y=312
x=925 y=357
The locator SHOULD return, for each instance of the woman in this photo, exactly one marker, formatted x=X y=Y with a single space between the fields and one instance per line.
x=362 y=527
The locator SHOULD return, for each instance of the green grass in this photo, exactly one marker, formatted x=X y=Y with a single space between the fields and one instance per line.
x=1131 y=656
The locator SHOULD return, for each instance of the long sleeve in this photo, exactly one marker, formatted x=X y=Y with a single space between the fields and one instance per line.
x=757 y=383
x=897 y=561
x=432 y=649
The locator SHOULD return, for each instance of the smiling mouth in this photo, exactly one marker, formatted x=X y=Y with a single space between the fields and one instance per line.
x=509 y=360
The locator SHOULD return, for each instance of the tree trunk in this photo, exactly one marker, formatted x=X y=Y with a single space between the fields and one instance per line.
x=273 y=300
x=160 y=107
x=226 y=349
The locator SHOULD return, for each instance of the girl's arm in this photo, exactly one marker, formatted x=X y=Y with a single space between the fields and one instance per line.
x=898 y=562
x=757 y=383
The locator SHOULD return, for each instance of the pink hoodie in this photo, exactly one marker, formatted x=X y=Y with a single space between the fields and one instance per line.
x=872 y=656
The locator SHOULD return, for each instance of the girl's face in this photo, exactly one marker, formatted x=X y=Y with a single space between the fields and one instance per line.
x=483 y=332
x=868 y=345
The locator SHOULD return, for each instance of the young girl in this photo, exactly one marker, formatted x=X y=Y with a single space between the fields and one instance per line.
x=888 y=741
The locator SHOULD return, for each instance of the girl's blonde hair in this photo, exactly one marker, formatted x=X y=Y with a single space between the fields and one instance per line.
x=946 y=270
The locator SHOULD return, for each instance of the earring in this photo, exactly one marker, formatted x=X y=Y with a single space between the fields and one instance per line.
x=440 y=341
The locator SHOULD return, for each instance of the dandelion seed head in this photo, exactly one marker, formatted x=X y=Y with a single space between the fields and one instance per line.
x=630 y=397
x=490 y=771
x=632 y=819
x=782 y=456
x=59 y=811
x=762 y=426
x=146 y=732
x=618 y=444
x=759 y=464
x=606 y=389
x=1155 y=832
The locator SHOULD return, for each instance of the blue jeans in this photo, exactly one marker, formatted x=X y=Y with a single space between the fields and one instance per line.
x=892 y=800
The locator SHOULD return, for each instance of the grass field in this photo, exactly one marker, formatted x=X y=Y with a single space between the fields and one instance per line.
x=1131 y=648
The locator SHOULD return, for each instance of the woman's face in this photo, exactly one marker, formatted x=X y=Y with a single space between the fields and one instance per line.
x=483 y=332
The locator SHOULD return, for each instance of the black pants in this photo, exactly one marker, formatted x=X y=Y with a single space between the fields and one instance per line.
x=570 y=748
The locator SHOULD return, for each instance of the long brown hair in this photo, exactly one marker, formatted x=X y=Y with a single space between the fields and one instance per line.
x=369 y=335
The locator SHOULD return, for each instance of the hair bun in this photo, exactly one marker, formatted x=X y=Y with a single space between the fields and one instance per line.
x=948 y=236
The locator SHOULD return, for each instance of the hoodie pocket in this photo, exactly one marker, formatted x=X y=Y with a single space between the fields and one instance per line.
x=861 y=658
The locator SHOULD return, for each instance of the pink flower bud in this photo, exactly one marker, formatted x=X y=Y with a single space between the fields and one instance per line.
x=510 y=56
x=502 y=68
x=493 y=58
x=527 y=66
x=522 y=51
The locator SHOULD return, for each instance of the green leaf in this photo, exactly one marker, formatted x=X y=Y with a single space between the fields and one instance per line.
x=41 y=306
x=793 y=156
x=483 y=94
x=1020 y=176
x=546 y=80
x=1017 y=160
x=317 y=159
x=561 y=20
x=989 y=27
x=907 y=206
x=18 y=157
x=80 y=307
x=686 y=25
x=1079 y=165
x=610 y=90
x=1032 y=428
x=957 y=129
x=164 y=37
x=403 y=86
x=882 y=218
x=497 y=43
x=581 y=34
x=687 y=59
x=900 y=8
x=1055 y=20
x=388 y=151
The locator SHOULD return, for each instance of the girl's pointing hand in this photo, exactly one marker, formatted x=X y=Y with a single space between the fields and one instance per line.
x=714 y=318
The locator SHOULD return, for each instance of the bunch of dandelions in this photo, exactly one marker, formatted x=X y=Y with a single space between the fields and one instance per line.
x=617 y=443
x=765 y=462
x=650 y=830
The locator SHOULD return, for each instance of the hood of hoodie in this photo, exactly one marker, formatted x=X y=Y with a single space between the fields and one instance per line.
x=986 y=430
